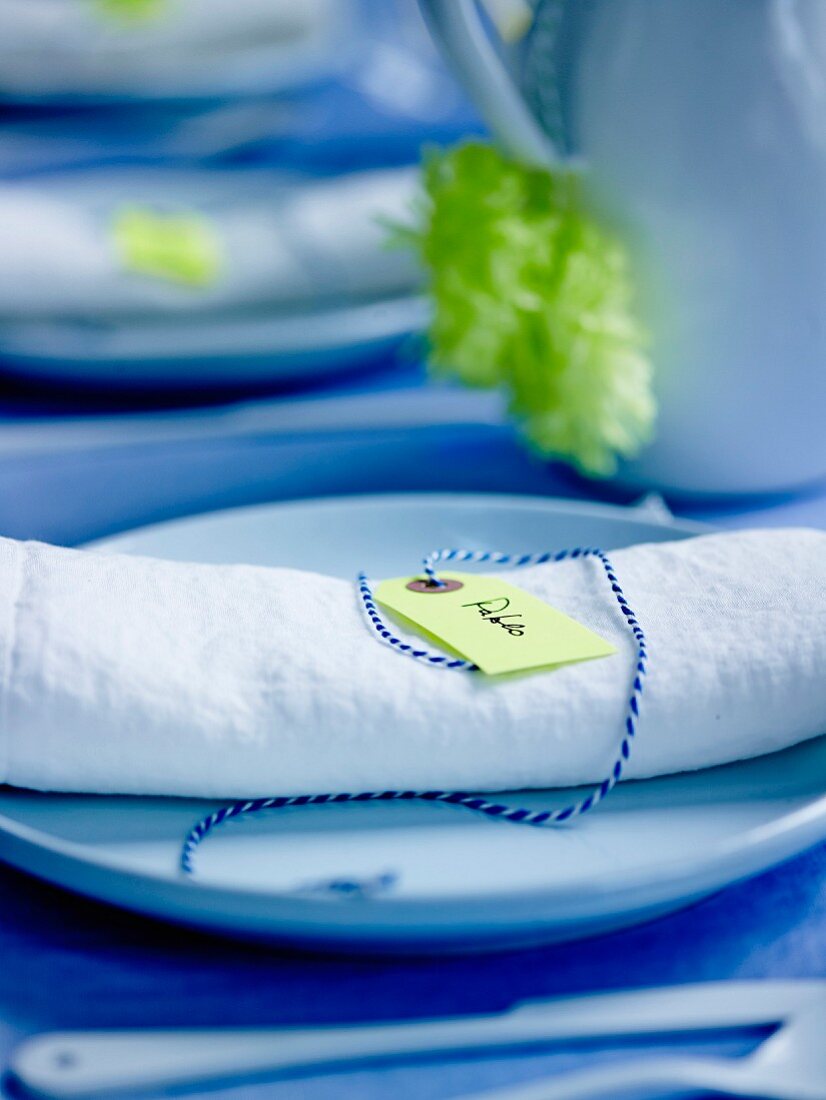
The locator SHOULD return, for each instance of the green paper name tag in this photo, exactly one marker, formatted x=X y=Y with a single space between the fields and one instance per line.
x=495 y=625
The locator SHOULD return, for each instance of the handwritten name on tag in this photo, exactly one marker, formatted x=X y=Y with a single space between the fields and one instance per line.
x=499 y=627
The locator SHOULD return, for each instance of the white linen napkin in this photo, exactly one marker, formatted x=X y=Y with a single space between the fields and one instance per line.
x=80 y=49
x=280 y=243
x=126 y=674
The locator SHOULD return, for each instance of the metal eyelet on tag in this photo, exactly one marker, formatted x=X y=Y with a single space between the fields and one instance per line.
x=430 y=588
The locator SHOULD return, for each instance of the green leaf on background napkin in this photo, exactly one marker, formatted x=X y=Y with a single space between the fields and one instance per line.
x=182 y=248
x=130 y=11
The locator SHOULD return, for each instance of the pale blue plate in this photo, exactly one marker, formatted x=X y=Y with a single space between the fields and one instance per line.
x=210 y=352
x=464 y=882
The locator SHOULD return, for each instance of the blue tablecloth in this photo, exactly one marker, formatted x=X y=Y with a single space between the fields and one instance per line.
x=72 y=963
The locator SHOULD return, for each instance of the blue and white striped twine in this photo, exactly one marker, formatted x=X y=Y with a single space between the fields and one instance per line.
x=514 y=814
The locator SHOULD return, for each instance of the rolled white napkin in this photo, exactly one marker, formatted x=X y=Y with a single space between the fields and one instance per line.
x=78 y=48
x=126 y=674
x=279 y=244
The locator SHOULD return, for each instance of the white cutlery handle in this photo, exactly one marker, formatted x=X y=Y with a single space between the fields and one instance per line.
x=60 y=1065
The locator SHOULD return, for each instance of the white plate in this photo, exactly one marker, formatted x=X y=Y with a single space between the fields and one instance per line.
x=234 y=351
x=465 y=883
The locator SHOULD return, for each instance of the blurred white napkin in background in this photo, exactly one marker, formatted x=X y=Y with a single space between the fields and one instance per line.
x=271 y=242
x=159 y=48
x=138 y=676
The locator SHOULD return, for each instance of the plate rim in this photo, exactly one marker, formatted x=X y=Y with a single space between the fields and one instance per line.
x=787 y=825
x=375 y=325
x=649 y=508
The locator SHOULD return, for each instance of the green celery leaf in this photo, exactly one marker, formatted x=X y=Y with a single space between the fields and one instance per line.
x=531 y=294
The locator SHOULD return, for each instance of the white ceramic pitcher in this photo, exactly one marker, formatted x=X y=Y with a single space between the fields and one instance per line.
x=701 y=128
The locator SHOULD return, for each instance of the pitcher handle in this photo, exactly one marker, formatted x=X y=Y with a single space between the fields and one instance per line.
x=457 y=27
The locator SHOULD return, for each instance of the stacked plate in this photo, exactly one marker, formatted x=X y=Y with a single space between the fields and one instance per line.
x=197 y=191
